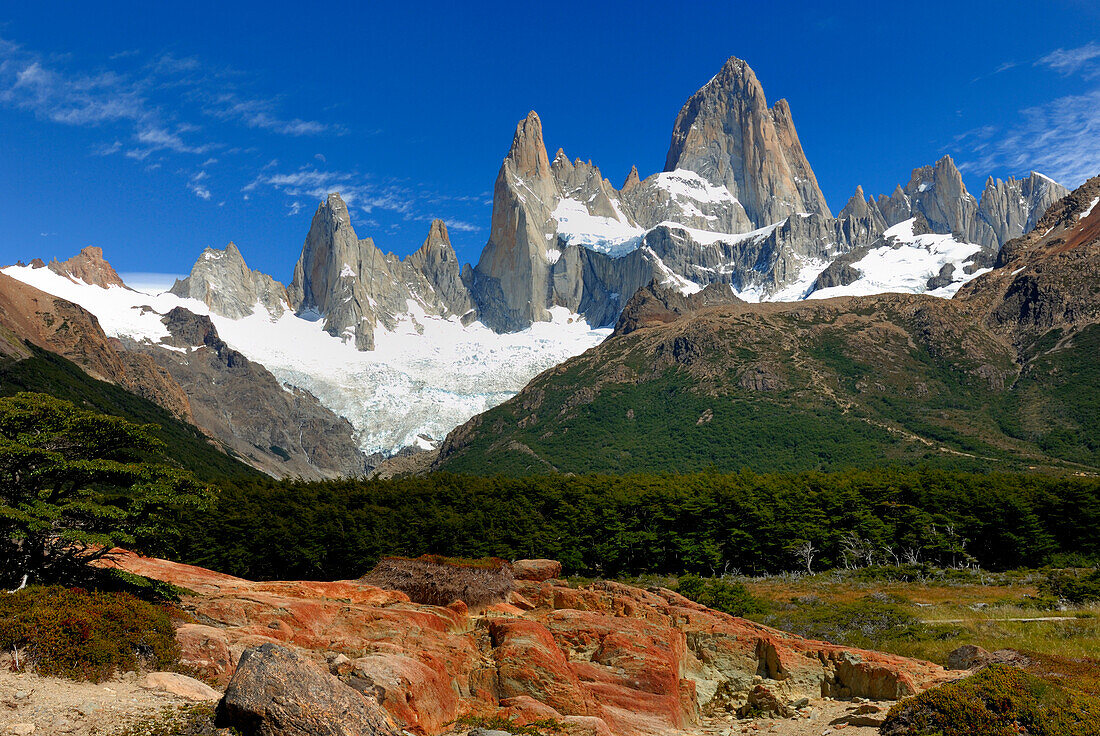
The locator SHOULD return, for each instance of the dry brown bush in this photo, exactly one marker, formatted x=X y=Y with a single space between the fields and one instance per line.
x=437 y=581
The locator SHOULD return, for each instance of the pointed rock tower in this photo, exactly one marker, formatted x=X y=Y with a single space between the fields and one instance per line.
x=221 y=280
x=512 y=279
x=726 y=134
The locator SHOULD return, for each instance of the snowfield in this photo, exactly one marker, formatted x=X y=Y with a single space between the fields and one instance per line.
x=614 y=237
x=907 y=265
x=412 y=384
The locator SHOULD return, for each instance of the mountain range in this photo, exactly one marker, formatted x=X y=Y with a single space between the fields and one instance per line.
x=364 y=353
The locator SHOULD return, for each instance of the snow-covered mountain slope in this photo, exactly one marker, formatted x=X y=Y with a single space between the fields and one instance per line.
x=424 y=377
x=903 y=261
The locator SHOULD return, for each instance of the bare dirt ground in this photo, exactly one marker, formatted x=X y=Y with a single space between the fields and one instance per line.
x=821 y=718
x=47 y=705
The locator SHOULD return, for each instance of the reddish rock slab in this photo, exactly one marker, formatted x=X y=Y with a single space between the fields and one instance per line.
x=605 y=658
x=536 y=570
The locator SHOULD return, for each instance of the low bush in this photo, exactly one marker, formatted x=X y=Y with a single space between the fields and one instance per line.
x=1067 y=586
x=437 y=581
x=719 y=594
x=82 y=635
x=864 y=623
x=998 y=701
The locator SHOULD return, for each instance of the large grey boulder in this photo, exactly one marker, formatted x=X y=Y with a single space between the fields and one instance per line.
x=276 y=692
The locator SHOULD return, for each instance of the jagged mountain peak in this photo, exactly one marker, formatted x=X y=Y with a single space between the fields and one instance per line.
x=437 y=235
x=223 y=281
x=943 y=173
x=90 y=267
x=632 y=180
x=528 y=150
x=726 y=133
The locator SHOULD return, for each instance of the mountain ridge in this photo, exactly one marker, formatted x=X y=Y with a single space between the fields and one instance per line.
x=997 y=377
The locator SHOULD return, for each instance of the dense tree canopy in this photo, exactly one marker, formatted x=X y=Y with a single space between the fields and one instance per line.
x=72 y=486
x=706 y=523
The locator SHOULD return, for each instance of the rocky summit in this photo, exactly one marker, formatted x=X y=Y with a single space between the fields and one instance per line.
x=355 y=288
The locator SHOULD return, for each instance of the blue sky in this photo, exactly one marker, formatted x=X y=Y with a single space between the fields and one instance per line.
x=154 y=130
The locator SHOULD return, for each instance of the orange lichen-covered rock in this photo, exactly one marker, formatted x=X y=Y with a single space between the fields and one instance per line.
x=537 y=570
x=604 y=658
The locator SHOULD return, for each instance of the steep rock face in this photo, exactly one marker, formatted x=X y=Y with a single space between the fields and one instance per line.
x=355 y=288
x=726 y=133
x=88 y=266
x=221 y=280
x=512 y=277
x=284 y=432
x=1012 y=207
x=74 y=333
x=436 y=263
x=1007 y=209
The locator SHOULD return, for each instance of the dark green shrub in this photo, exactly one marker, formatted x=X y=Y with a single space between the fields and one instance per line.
x=865 y=622
x=719 y=594
x=82 y=635
x=1067 y=586
x=998 y=701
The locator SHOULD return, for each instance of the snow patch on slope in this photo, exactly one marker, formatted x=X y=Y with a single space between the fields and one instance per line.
x=576 y=226
x=1088 y=212
x=906 y=265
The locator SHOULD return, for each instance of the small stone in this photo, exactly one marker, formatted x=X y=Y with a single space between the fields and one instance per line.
x=21 y=729
x=87 y=708
x=22 y=695
x=180 y=685
x=61 y=725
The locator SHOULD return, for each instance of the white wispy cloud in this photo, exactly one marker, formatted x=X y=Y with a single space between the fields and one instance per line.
x=1071 y=61
x=1058 y=138
x=198 y=188
x=355 y=189
x=261 y=113
x=145 y=104
x=462 y=226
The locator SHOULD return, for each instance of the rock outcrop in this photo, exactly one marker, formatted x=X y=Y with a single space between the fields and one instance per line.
x=221 y=280
x=88 y=266
x=283 y=431
x=276 y=692
x=605 y=658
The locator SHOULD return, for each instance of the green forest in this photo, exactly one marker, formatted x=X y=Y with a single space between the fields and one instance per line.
x=606 y=525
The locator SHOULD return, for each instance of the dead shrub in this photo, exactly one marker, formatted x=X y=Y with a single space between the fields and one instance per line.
x=437 y=581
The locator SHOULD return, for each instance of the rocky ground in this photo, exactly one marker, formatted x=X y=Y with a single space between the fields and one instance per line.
x=124 y=705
